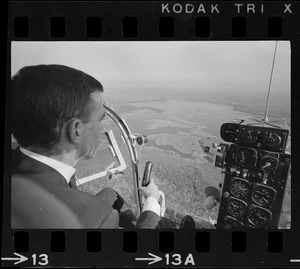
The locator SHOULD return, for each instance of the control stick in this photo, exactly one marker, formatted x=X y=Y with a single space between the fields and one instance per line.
x=145 y=183
x=147 y=174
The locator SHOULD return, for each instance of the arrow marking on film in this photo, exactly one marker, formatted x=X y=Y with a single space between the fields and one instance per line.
x=19 y=259
x=154 y=259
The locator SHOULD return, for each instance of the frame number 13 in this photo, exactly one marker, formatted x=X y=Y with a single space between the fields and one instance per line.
x=41 y=259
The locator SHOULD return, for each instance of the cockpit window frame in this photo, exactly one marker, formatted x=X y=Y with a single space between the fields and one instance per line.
x=116 y=152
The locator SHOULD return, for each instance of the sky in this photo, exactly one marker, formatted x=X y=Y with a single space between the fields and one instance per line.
x=207 y=64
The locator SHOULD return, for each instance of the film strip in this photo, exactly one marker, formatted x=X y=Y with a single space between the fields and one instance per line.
x=208 y=244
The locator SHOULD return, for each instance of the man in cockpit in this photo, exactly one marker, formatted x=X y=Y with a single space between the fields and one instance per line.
x=56 y=120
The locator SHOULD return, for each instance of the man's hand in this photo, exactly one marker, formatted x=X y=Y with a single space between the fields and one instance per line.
x=150 y=190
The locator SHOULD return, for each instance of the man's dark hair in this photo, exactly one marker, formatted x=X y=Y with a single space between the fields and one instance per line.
x=44 y=97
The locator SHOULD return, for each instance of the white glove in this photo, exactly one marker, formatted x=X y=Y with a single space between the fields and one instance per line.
x=152 y=191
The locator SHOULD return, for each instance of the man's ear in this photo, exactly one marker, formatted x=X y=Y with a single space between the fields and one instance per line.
x=74 y=130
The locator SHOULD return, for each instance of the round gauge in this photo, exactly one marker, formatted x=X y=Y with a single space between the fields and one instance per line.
x=249 y=137
x=262 y=195
x=245 y=157
x=272 y=140
x=229 y=132
x=239 y=188
x=259 y=216
x=236 y=207
x=231 y=223
x=269 y=164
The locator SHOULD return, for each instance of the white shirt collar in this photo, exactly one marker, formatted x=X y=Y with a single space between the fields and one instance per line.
x=65 y=170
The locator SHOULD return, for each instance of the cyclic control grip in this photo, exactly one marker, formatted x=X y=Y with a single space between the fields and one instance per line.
x=147 y=174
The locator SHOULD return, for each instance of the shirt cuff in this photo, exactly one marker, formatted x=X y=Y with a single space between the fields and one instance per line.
x=152 y=205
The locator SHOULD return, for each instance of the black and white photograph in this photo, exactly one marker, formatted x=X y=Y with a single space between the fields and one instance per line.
x=151 y=135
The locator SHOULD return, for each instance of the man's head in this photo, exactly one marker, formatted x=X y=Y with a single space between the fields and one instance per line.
x=55 y=104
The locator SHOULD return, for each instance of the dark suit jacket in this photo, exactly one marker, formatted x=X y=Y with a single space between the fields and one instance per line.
x=41 y=198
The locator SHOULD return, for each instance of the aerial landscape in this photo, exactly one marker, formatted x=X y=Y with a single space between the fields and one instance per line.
x=178 y=128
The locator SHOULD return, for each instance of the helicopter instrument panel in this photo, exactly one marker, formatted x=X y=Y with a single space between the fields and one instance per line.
x=256 y=168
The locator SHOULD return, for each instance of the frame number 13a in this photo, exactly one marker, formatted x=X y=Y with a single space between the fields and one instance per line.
x=176 y=259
